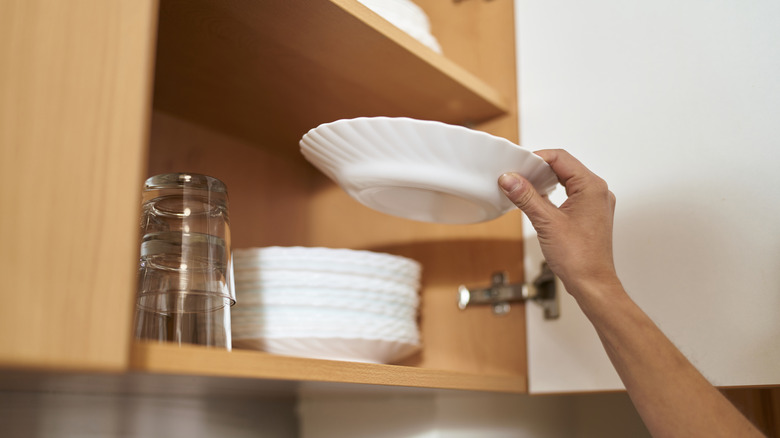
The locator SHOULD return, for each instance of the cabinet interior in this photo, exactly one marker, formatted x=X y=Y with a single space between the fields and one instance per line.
x=238 y=83
x=125 y=90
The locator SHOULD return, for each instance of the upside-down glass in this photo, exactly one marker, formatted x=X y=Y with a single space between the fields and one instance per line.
x=185 y=286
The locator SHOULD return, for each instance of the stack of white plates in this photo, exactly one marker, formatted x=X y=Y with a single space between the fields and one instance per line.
x=407 y=16
x=326 y=303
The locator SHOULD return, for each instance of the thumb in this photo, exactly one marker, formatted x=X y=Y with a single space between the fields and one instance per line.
x=525 y=197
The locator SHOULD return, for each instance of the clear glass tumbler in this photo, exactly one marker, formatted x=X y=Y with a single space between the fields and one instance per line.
x=185 y=285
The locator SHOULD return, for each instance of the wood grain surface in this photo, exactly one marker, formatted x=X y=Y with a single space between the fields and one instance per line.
x=75 y=89
x=268 y=71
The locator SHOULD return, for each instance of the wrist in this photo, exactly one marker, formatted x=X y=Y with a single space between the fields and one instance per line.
x=595 y=293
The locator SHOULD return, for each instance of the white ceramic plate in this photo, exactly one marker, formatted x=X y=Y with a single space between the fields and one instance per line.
x=321 y=280
x=269 y=299
x=316 y=252
x=306 y=314
x=300 y=327
x=407 y=16
x=277 y=273
x=250 y=295
x=262 y=329
x=333 y=348
x=422 y=170
x=336 y=260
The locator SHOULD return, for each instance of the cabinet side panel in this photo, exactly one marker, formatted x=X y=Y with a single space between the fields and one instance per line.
x=268 y=191
x=480 y=37
x=74 y=100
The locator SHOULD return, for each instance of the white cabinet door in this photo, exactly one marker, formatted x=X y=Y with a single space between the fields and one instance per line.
x=677 y=105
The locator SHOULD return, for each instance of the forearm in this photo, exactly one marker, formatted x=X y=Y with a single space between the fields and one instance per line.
x=671 y=396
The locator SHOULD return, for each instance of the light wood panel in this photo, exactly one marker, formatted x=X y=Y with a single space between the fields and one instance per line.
x=202 y=361
x=268 y=71
x=75 y=88
x=268 y=192
x=479 y=36
x=760 y=405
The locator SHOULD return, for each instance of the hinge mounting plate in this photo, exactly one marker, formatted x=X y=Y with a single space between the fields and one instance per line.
x=542 y=290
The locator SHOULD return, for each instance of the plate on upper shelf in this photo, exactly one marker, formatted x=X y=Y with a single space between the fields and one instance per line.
x=422 y=170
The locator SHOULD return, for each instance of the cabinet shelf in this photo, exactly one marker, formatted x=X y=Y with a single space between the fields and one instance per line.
x=156 y=358
x=267 y=72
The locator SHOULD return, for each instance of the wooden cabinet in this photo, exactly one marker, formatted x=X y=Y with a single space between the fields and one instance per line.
x=75 y=93
x=92 y=102
x=98 y=95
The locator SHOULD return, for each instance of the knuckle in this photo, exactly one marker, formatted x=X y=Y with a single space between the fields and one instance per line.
x=600 y=184
x=523 y=198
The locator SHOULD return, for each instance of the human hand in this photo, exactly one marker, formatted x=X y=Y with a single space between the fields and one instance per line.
x=576 y=238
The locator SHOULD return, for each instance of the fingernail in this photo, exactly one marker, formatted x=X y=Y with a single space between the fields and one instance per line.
x=509 y=182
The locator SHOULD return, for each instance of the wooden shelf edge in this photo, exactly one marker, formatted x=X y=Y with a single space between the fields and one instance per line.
x=202 y=361
x=439 y=61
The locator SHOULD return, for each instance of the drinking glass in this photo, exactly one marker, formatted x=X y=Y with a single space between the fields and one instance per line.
x=185 y=285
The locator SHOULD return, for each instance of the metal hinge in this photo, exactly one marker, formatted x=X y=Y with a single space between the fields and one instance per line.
x=542 y=291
